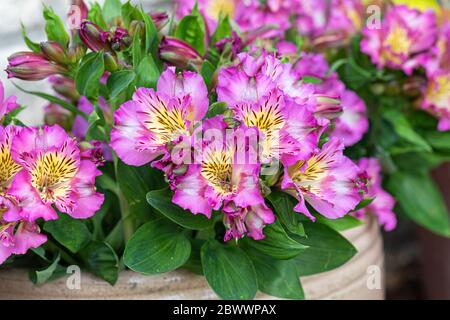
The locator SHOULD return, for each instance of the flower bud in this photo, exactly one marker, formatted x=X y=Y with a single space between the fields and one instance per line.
x=120 y=40
x=65 y=87
x=76 y=52
x=160 y=19
x=32 y=66
x=328 y=107
x=136 y=26
x=111 y=63
x=53 y=51
x=55 y=114
x=94 y=37
x=179 y=53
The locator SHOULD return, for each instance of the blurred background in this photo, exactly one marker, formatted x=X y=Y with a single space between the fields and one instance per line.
x=412 y=254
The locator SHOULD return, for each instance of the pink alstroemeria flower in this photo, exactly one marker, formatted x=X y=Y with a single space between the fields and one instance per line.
x=437 y=92
x=383 y=205
x=53 y=174
x=210 y=9
x=6 y=104
x=8 y=167
x=437 y=99
x=18 y=237
x=327 y=181
x=404 y=36
x=152 y=120
x=253 y=77
x=222 y=179
x=288 y=129
x=353 y=123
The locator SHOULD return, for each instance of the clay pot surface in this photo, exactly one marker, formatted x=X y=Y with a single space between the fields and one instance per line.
x=346 y=282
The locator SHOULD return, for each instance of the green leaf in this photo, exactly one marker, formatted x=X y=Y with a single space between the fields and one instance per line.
x=157 y=247
x=119 y=81
x=129 y=13
x=54 y=27
x=33 y=46
x=95 y=15
x=216 y=108
x=223 y=29
x=277 y=278
x=147 y=73
x=207 y=72
x=404 y=129
x=345 y=223
x=41 y=276
x=229 y=271
x=87 y=79
x=284 y=204
x=161 y=200
x=277 y=243
x=439 y=140
x=310 y=79
x=71 y=233
x=363 y=203
x=327 y=250
x=194 y=263
x=96 y=126
x=135 y=183
x=112 y=9
x=151 y=37
x=64 y=104
x=420 y=200
x=192 y=30
x=101 y=260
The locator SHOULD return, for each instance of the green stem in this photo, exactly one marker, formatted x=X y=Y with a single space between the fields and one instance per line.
x=127 y=223
x=64 y=255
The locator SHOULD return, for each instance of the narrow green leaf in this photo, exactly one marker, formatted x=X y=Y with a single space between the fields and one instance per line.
x=157 y=247
x=207 y=72
x=64 y=104
x=112 y=9
x=54 y=27
x=33 y=46
x=223 y=29
x=216 y=108
x=229 y=271
x=309 y=79
x=192 y=30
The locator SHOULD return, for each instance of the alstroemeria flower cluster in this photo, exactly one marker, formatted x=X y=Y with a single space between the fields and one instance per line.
x=224 y=162
x=404 y=36
x=408 y=40
x=41 y=168
x=312 y=18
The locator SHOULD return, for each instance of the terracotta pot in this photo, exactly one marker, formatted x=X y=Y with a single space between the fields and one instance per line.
x=346 y=282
